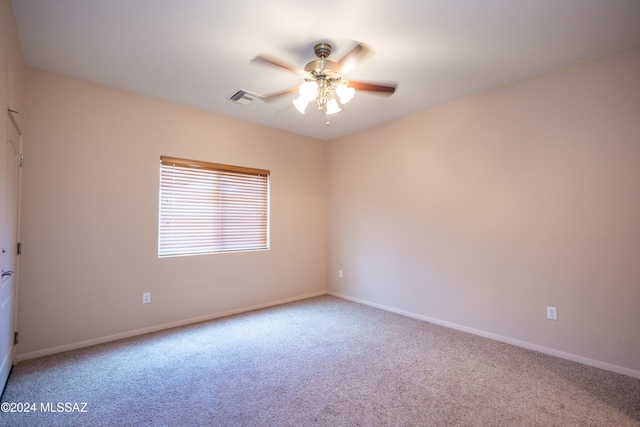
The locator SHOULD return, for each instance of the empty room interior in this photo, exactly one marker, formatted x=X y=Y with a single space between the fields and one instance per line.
x=484 y=178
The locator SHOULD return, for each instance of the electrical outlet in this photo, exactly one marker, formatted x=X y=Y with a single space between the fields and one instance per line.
x=146 y=297
x=552 y=313
x=340 y=274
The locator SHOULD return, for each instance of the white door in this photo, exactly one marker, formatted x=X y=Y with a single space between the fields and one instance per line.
x=9 y=182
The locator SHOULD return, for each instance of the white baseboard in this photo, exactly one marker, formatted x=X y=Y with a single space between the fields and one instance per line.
x=128 y=334
x=546 y=350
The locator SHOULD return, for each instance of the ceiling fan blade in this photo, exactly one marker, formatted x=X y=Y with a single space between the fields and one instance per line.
x=385 y=90
x=284 y=109
x=272 y=60
x=354 y=57
x=275 y=95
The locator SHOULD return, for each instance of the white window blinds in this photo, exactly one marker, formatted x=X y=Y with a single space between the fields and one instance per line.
x=211 y=208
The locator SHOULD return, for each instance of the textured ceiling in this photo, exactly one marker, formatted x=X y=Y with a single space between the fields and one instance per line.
x=199 y=52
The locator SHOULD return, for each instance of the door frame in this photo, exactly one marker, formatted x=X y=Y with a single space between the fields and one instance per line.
x=17 y=148
x=16 y=126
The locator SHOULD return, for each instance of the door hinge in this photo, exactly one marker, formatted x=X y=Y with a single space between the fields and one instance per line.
x=19 y=248
x=15 y=337
x=20 y=160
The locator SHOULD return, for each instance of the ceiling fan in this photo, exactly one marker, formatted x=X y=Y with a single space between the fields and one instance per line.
x=323 y=81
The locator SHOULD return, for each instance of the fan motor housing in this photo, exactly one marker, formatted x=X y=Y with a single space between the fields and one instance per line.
x=320 y=65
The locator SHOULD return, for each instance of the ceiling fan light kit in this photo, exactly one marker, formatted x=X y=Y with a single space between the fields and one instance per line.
x=323 y=83
x=324 y=94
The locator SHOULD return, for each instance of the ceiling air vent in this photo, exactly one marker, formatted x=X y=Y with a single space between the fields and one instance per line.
x=242 y=97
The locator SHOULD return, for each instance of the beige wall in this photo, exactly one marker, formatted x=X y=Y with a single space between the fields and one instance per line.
x=480 y=213
x=90 y=215
x=12 y=66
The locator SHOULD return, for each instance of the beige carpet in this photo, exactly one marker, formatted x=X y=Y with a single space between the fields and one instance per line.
x=317 y=362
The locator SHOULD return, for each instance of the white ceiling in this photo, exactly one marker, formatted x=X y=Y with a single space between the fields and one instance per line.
x=199 y=52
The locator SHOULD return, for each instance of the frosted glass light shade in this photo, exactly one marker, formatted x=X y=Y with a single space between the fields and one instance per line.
x=308 y=90
x=301 y=103
x=332 y=107
x=345 y=93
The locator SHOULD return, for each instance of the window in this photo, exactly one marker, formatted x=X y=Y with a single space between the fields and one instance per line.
x=210 y=208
